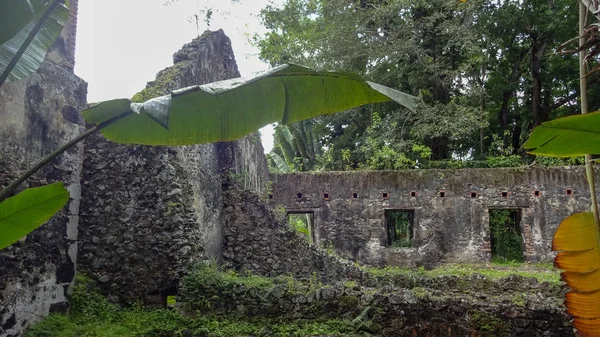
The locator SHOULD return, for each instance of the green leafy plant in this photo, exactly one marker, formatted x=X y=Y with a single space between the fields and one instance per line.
x=578 y=237
x=225 y=110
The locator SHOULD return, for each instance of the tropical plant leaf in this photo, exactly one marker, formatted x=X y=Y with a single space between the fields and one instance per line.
x=281 y=164
x=571 y=136
x=577 y=240
x=229 y=110
x=14 y=37
x=28 y=210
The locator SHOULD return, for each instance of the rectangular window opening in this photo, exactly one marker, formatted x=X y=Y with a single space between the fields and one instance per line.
x=413 y=194
x=537 y=193
x=569 y=191
x=473 y=194
x=505 y=235
x=299 y=195
x=325 y=196
x=504 y=194
x=399 y=225
x=355 y=195
x=442 y=194
x=385 y=195
x=304 y=223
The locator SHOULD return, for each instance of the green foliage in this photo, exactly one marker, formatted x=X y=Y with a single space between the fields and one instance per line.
x=91 y=315
x=28 y=210
x=17 y=21
x=567 y=137
x=542 y=272
x=229 y=110
x=488 y=324
x=507 y=242
x=399 y=223
x=485 y=73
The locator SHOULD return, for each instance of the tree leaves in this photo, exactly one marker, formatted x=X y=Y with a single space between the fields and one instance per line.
x=571 y=136
x=18 y=22
x=28 y=210
x=229 y=110
x=577 y=240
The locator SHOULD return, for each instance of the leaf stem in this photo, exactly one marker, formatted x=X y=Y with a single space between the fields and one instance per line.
x=25 y=45
x=5 y=193
x=589 y=168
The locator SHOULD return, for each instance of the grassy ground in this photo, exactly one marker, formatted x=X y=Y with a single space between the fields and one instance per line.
x=543 y=272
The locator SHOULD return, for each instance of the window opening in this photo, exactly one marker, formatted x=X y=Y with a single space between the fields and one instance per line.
x=413 y=194
x=569 y=191
x=504 y=194
x=303 y=222
x=537 y=193
x=325 y=196
x=299 y=195
x=505 y=235
x=355 y=195
x=385 y=195
x=399 y=225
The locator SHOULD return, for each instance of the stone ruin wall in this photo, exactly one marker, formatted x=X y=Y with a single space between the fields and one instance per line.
x=450 y=228
x=150 y=213
x=37 y=115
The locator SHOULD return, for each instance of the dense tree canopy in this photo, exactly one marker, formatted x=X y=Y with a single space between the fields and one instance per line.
x=486 y=71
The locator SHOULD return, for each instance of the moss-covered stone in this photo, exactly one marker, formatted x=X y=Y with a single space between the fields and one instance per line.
x=164 y=82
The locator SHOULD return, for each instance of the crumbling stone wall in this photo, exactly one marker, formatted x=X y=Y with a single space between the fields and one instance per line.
x=254 y=239
x=150 y=213
x=454 y=227
x=37 y=115
x=394 y=305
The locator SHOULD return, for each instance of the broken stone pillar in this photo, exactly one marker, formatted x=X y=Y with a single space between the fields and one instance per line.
x=150 y=213
x=37 y=115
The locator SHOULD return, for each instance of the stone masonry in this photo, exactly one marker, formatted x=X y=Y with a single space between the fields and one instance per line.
x=451 y=209
x=150 y=213
x=37 y=115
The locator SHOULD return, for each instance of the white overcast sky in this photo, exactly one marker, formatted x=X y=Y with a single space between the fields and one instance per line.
x=122 y=44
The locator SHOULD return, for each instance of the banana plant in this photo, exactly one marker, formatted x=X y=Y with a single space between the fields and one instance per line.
x=295 y=142
x=577 y=238
x=221 y=111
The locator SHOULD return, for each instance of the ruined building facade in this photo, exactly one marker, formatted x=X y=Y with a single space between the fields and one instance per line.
x=140 y=217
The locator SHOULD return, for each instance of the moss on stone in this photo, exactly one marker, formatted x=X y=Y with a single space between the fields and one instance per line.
x=488 y=325
x=161 y=85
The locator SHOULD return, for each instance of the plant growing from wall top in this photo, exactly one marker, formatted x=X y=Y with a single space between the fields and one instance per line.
x=578 y=237
x=215 y=112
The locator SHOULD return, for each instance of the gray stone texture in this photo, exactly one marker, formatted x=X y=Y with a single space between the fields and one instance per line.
x=150 y=213
x=450 y=228
x=38 y=114
x=398 y=305
x=254 y=239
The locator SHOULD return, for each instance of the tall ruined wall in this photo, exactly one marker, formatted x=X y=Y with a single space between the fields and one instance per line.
x=37 y=115
x=454 y=227
x=149 y=213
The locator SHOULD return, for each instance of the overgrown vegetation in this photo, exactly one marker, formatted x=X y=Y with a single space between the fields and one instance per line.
x=541 y=271
x=505 y=236
x=91 y=315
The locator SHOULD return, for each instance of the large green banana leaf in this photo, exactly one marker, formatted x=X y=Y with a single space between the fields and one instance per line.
x=281 y=164
x=571 y=136
x=229 y=110
x=28 y=210
x=17 y=19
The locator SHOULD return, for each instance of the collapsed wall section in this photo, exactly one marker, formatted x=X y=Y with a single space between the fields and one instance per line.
x=449 y=210
x=255 y=240
x=39 y=114
x=150 y=213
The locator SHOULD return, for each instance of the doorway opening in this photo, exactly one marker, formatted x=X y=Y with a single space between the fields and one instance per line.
x=505 y=235
x=303 y=222
x=399 y=224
